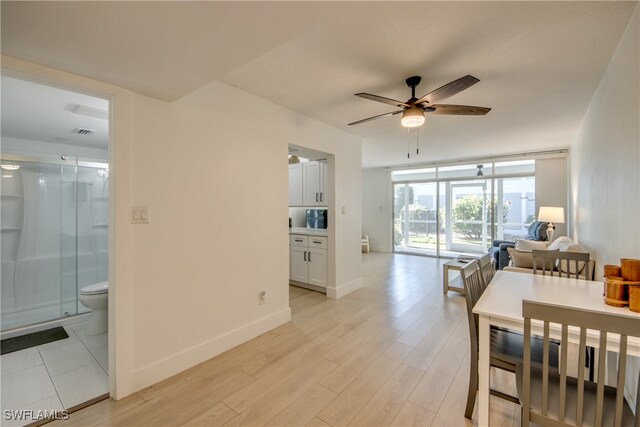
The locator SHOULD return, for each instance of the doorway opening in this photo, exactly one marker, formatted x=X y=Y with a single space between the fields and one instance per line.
x=55 y=226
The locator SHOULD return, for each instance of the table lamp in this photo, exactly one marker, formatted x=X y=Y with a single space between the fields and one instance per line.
x=551 y=215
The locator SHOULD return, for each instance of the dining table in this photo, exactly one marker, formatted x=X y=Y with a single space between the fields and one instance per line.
x=501 y=305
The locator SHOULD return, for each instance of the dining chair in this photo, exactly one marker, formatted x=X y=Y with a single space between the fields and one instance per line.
x=553 y=398
x=486 y=268
x=546 y=262
x=506 y=346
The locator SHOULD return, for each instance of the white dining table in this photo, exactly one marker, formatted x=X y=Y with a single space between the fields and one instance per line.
x=501 y=305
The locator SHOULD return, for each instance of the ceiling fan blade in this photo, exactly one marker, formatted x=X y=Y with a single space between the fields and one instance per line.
x=449 y=89
x=393 y=113
x=382 y=99
x=460 y=110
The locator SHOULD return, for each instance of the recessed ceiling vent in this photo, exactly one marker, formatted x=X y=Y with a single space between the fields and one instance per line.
x=83 y=131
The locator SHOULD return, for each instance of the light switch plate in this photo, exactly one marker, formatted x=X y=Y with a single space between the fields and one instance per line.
x=140 y=215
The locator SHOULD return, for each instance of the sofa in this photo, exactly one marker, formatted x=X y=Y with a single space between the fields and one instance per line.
x=537 y=231
x=521 y=258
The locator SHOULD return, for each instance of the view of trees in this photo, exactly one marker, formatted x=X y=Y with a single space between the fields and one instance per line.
x=467 y=209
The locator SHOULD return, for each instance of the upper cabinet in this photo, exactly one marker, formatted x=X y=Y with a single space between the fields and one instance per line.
x=308 y=184
x=295 y=184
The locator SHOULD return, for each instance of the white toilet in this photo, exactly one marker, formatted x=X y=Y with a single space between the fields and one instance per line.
x=96 y=297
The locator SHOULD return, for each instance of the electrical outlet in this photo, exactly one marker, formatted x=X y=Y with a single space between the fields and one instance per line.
x=263 y=297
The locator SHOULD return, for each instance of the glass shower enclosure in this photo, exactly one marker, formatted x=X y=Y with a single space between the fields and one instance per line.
x=54 y=235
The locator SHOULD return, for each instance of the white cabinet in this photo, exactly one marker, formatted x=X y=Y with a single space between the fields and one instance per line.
x=298 y=265
x=295 y=184
x=308 y=260
x=308 y=183
x=317 y=267
x=311 y=183
x=323 y=187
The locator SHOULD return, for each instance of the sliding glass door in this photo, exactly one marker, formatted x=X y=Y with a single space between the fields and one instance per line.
x=466 y=216
x=452 y=210
x=516 y=197
x=415 y=224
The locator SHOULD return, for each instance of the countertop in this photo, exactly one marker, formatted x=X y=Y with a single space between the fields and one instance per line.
x=308 y=231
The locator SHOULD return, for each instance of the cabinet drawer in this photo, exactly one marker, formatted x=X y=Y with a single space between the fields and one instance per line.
x=317 y=242
x=297 y=240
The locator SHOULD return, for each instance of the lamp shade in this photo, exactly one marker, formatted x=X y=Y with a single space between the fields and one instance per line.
x=549 y=214
x=412 y=117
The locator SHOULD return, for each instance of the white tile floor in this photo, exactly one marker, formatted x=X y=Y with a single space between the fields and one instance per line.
x=57 y=375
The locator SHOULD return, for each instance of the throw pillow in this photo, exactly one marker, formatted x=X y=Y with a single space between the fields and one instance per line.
x=537 y=231
x=522 y=259
x=529 y=245
x=566 y=266
x=561 y=244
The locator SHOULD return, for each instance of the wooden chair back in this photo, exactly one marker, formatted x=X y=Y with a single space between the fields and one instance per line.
x=564 y=316
x=569 y=263
x=486 y=268
x=473 y=289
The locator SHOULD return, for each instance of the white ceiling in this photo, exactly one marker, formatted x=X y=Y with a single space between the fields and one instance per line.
x=539 y=63
x=43 y=113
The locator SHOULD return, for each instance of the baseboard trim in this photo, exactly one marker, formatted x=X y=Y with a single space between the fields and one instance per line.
x=347 y=288
x=178 y=362
x=380 y=249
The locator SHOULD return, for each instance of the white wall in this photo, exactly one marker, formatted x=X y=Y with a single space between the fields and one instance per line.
x=605 y=166
x=551 y=188
x=180 y=290
x=605 y=160
x=377 y=209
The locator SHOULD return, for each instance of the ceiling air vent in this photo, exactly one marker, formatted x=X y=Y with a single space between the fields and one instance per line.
x=83 y=131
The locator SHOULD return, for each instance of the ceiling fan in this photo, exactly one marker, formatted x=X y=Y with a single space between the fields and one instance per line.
x=413 y=110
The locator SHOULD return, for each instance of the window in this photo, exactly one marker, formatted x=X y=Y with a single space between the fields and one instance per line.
x=450 y=210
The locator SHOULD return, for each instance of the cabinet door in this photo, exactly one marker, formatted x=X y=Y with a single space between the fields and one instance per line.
x=295 y=184
x=323 y=183
x=317 y=267
x=311 y=183
x=298 y=264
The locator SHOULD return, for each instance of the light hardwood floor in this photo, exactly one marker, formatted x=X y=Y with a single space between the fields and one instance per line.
x=395 y=352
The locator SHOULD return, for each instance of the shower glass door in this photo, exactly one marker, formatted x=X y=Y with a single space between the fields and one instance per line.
x=68 y=239
x=38 y=240
x=54 y=236
x=92 y=203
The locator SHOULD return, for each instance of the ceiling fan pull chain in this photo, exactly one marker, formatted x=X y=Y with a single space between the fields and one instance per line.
x=408 y=142
x=418 y=142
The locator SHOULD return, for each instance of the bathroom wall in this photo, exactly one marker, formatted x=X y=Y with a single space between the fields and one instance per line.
x=181 y=291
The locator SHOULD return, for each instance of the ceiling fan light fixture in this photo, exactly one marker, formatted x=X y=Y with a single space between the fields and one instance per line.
x=412 y=117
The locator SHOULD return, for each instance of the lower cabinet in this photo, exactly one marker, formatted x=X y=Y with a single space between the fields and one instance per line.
x=308 y=260
x=298 y=264
x=317 y=267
